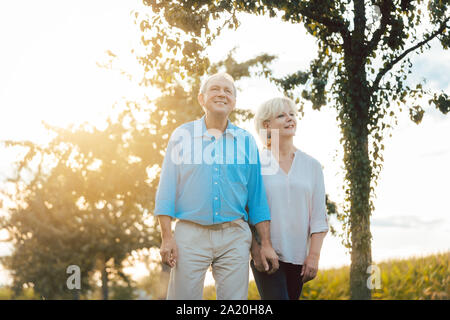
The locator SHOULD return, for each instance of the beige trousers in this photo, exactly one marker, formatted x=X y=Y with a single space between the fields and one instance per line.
x=227 y=250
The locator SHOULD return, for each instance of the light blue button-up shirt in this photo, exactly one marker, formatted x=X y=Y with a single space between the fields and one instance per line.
x=211 y=181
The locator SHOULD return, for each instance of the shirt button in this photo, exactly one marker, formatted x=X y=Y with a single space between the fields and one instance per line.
x=215 y=198
x=215 y=182
x=217 y=213
x=216 y=169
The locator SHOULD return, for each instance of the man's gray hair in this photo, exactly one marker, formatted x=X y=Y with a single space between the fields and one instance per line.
x=217 y=75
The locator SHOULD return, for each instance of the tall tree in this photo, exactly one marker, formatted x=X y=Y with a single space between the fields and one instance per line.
x=361 y=68
x=81 y=200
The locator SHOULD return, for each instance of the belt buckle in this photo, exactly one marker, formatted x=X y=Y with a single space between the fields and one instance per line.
x=220 y=226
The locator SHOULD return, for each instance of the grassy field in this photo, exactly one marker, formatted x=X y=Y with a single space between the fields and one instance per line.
x=410 y=279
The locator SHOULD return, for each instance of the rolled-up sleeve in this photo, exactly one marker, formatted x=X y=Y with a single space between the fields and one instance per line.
x=318 y=210
x=166 y=193
x=258 y=208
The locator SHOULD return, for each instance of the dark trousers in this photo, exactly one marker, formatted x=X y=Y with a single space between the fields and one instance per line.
x=284 y=284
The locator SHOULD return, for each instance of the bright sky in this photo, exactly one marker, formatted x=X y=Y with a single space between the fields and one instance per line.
x=49 y=72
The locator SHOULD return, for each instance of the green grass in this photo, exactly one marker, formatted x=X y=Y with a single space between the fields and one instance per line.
x=416 y=278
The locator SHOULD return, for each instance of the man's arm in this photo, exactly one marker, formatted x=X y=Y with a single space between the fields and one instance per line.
x=256 y=250
x=267 y=253
x=259 y=212
x=165 y=206
x=168 y=250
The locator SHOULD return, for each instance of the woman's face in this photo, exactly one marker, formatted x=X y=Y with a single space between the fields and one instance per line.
x=284 y=121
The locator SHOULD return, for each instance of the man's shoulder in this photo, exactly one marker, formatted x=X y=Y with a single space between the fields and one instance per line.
x=188 y=125
x=184 y=128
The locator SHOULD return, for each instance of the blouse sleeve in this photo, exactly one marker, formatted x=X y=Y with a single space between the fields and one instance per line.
x=318 y=220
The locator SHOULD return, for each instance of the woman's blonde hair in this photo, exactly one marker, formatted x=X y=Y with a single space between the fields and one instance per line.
x=270 y=109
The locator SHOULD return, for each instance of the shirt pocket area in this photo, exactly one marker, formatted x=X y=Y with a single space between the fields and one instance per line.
x=237 y=173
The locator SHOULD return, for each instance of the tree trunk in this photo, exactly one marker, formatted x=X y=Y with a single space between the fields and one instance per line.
x=76 y=294
x=355 y=121
x=361 y=253
x=165 y=275
x=104 y=281
x=359 y=173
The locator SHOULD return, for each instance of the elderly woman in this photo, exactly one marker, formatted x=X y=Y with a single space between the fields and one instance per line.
x=296 y=196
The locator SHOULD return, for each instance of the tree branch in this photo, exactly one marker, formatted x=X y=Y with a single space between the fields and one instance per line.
x=386 y=9
x=332 y=24
x=404 y=54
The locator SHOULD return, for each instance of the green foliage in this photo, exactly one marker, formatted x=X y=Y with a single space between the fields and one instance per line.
x=442 y=102
x=421 y=278
x=6 y=293
x=119 y=292
x=409 y=279
x=209 y=292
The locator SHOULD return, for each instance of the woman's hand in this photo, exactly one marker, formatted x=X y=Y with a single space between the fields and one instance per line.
x=310 y=268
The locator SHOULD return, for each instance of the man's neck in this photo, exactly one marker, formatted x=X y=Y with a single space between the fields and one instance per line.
x=215 y=125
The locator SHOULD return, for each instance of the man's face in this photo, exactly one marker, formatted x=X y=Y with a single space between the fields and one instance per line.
x=219 y=98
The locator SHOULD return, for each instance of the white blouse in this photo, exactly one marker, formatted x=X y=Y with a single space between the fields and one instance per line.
x=297 y=204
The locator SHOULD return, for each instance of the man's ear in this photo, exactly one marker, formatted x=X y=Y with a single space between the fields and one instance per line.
x=200 y=99
x=266 y=124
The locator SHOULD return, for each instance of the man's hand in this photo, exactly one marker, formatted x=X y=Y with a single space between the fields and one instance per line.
x=268 y=255
x=310 y=268
x=169 y=252
x=256 y=256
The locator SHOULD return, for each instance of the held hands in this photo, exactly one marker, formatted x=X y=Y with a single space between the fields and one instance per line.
x=268 y=260
x=256 y=257
x=310 y=268
x=169 y=252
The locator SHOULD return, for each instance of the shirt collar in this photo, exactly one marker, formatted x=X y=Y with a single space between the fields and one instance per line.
x=231 y=129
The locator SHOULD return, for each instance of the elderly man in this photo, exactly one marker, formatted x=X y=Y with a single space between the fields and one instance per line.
x=211 y=183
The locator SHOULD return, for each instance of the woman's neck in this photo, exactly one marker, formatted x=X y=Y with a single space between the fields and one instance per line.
x=285 y=147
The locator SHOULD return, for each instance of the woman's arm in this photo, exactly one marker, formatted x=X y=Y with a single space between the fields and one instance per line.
x=318 y=226
x=311 y=265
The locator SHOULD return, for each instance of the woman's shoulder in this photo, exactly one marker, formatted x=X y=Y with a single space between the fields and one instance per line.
x=308 y=159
